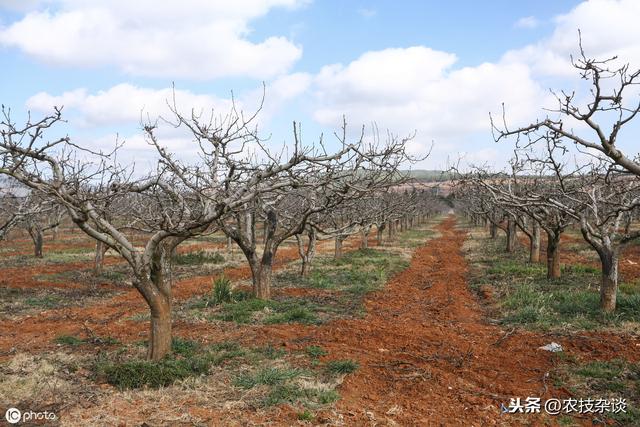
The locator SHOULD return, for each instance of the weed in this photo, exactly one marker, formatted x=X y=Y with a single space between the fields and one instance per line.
x=198 y=257
x=345 y=366
x=69 y=340
x=270 y=352
x=315 y=351
x=222 y=291
x=186 y=348
x=136 y=374
x=306 y=415
x=265 y=376
x=47 y=301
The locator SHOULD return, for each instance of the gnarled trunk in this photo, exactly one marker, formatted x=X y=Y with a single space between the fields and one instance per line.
x=553 y=255
x=38 y=240
x=609 y=285
x=534 y=244
x=262 y=279
x=306 y=253
x=160 y=333
x=98 y=262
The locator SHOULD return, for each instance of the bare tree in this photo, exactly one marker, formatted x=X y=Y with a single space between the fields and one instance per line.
x=613 y=94
x=319 y=184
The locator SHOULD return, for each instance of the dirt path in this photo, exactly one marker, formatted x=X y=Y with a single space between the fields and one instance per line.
x=427 y=356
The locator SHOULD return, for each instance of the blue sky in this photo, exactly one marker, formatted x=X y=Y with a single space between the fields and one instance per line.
x=431 y=66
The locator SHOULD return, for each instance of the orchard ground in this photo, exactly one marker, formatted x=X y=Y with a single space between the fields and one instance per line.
x=437 y=326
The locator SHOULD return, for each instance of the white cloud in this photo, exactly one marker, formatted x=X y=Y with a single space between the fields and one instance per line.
x=199 y=39
x=609 y=28
x=124 y=104
x=528 y=22
x=417 y=88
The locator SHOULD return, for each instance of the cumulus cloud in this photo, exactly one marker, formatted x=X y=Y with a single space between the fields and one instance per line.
x=609 y=28
x=417 y=88
x=124 y=104
x=190 y=38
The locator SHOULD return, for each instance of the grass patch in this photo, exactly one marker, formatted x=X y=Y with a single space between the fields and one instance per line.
x=198 y=258
x=74 y=341
x=188 y=359
x=69 y=340
x=315 y=352
x=268 y=311
x=306 y=415
x=46 y=301
x=340 y=367
x=526 y=297
x=266 y=376
x=606 y=379
x=137 y=374
x=185 y=348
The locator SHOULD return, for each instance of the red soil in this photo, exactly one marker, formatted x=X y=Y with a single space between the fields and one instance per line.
x=427 y=355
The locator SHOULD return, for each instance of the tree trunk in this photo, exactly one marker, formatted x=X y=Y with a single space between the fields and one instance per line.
x=493 y=230
x=160 y=334
x=306 y=253
x=364 y=244
x=98 y=262
x=512 y=236
x=380 y=233
x=262 y=282
x=553 y=255
x=159 y=301
x=36 y=236
x=534 y=247
x=338 y=253
x=609 y=286
x=54 y=233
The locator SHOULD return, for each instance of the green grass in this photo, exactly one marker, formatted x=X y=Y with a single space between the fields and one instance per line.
x=69 y=340
x=601 y=369
x=74 y=341
x=198 y=258
x=222 y=291
x=137 y=374
x=282 y=388
x=266 y=376
x=188 y=359
x=526 y=297
x=315 y=351
x=339 y=367
x=270 y=352
x=510 y=267
x=306 y=415
x=292 y=393
x=285 y=311
x=186 y=348
x=616 y=378
x=47 y=301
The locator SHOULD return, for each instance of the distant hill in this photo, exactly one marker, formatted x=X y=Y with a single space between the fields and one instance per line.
x=428 y=175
